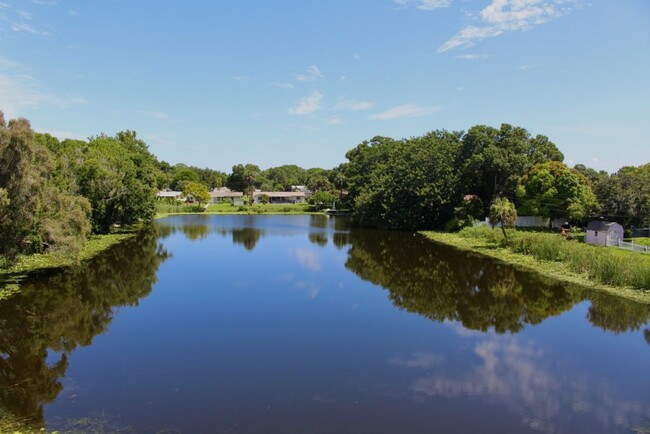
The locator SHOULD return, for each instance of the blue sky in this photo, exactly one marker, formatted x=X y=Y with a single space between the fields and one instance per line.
x=301 y=82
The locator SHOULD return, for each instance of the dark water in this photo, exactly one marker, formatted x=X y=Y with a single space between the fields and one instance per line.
x=283 y=324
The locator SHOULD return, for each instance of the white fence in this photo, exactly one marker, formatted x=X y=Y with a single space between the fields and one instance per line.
x=523 y=222
x=633 y=247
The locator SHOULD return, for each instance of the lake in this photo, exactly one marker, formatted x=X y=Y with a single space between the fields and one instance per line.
x=301 y=324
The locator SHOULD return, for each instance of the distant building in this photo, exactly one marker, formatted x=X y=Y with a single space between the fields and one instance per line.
x=604 y=234
x=287 y=197
x=168 y=194
x=219 y=194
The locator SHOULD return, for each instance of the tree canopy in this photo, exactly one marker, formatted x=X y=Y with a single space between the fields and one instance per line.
x=552 y=189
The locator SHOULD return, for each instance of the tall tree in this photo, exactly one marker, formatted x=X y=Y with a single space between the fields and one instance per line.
x=35 y=215
x=408 y=184
x=493 y=160
x=625 y=196
x=118 y=176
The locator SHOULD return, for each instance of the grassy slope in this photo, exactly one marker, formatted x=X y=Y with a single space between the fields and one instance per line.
x=557 y=270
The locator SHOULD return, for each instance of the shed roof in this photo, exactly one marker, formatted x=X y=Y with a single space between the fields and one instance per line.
x=598 y=225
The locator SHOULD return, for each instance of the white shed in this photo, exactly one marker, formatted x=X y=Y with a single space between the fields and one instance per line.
x=604 y=234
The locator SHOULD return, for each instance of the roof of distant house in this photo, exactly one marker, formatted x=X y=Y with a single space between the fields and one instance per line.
x=167 y=193
x=280 y=193
x=225 y=192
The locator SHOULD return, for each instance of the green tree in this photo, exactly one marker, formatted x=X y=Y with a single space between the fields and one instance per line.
x=181 y=176
x=251 y=174
x=322 y=199
x=285 y=176
x=35 y=215
x=553 y=190
x=625 y=196
x=119 y=177
x=197 y=192
x=407 y=184
x=492 y=160
x=503 y=213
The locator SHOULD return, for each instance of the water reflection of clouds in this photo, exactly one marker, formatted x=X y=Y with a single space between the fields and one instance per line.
x=312 y=288
x=307 y=258
x=535 y=385
x=419 y=360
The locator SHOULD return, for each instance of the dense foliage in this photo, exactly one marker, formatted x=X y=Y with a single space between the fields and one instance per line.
x=35 y=213
x=421 y=182
x=552 y=189
x=52 y=193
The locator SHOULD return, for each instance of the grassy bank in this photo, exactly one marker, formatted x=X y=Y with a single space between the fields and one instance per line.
x=226 y=208
x=610 y=270
x=11 y=276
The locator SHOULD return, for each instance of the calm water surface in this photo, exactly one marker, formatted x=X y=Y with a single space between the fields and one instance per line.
x=283 y=324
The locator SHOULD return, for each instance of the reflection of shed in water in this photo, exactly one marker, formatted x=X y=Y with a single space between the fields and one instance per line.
x=604 y=234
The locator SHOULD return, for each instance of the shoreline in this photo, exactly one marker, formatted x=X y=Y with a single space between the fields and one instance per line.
x=555 y=270
x=27 y=266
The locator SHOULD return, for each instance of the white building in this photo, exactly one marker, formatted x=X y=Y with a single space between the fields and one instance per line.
x=604 y=234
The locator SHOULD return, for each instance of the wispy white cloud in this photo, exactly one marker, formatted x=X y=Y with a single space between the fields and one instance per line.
x=307 y=105
x=473 y=56
x=62 y=135
x=27 y=28
x=24 y=14
x=529 y=66
x=334 y=120
x=44 y=2
x=353 y=105
x=425 y=5
x=283 y=85
x=74 y=12
x=153 y=114
x=404 y=111
x=19 y=91
x=503 y=16
x=160 y=139
x=312 y=74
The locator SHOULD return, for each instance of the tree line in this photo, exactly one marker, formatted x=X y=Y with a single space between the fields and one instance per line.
x=448 y=179
x=54 y=194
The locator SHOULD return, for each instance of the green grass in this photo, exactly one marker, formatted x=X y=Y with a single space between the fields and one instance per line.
x=639 y=240
x=12 y=274
x=613 y=270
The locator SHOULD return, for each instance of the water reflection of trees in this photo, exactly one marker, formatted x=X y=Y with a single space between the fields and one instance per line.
x=247 y=237
x=55 y=314
x=445 y=284
x=318 y=238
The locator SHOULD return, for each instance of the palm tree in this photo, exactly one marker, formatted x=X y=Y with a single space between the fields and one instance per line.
x=503 y=212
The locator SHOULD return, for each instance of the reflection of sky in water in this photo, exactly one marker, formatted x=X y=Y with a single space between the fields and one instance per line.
x=296 y=324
